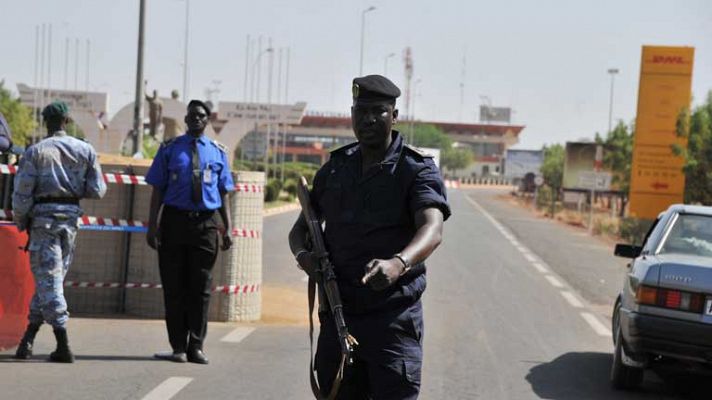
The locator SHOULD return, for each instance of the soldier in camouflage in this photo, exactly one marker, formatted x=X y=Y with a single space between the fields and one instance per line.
x=53 y=175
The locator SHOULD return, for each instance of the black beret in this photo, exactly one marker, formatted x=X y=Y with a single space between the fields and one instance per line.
x=202 y=104
x=374 y=87
x=57 y=108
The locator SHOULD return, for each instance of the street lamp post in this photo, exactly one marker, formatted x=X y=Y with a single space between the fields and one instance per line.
x=412 y=108
x=612 y=72
x=385 y=64
x=363 y=23
x=138 y=102
x=185 y=53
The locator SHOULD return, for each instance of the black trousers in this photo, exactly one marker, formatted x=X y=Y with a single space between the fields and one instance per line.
x=186 y=256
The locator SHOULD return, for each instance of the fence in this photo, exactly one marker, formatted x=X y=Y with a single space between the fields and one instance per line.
x=115 y=272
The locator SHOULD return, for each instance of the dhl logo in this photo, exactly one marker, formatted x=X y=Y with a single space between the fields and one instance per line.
x=668 y=60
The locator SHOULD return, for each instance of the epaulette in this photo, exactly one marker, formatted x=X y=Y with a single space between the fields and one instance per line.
x=168 y=142
x=220 y=146
x=345 y=150
x=420 y=152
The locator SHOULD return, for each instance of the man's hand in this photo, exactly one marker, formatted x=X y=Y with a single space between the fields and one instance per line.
x=381 y=274
x=226 y=241
x=152 y=238
x=307 y=261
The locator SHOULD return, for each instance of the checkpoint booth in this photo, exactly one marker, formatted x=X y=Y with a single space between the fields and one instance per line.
x=114 y=272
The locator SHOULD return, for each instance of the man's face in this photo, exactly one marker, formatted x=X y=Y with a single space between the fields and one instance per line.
x=196 y=119
x=372 y=121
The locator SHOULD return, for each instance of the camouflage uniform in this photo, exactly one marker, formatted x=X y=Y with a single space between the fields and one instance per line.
x=58 y=167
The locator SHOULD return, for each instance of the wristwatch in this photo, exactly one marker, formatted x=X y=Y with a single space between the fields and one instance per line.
x=406 y=263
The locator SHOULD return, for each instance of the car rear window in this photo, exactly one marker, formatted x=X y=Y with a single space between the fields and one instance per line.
x=691 y=234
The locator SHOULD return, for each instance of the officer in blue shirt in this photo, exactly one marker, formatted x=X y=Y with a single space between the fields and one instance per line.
x=191 y=177
x=383 y=204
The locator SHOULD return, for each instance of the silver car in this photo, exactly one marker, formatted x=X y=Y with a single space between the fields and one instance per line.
x=664 y=313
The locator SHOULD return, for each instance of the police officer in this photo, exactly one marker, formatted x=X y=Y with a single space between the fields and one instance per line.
x=5 y=135
x=383 y=204
x=54 y=175
x=191 y=177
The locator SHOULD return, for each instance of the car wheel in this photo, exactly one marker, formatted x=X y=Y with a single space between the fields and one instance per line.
x=623 y=377
x=616 y=320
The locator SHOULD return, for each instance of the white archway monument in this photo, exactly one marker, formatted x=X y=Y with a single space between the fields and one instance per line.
x=243 y=118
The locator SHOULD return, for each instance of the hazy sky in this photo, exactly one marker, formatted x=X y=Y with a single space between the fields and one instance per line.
x=547 y=59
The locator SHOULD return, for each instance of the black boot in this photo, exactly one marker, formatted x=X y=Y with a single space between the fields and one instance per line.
x=63 y=354
x=24 y=350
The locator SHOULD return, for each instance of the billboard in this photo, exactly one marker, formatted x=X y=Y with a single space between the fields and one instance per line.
x=260 y=112
x=518 y=163
x=495 y=114
x=656 y=179
x=579 y=168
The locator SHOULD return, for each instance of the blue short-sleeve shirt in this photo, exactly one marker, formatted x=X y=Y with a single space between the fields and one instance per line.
x=171 y=172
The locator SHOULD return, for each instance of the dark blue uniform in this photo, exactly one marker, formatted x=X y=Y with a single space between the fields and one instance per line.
x=189 y=231
x=369 y=216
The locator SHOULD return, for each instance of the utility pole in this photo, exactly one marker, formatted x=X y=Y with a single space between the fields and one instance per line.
x=138 y=101
x=86 y=83
x=185 y=51
x=269 y=107
x=76 y=62
x=247 y=69
x=385 y=64
x=363 y=31
x=612 y=72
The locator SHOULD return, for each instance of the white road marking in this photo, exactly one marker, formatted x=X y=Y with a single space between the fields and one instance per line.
x=237 y=335
x=540 y=267
x=573 y=300
x=515 y=243
x=168 y=388
x=590 y=318
x=597 y=325
x=529 y=256
x=554 y=282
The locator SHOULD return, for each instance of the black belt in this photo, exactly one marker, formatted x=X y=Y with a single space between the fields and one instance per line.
x=188 y=213
x=58 y=200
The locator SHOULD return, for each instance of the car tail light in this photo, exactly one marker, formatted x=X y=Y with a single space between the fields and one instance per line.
x=670 y=298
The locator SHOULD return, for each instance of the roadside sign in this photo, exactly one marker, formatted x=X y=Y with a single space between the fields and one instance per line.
x=538 y=180
x=656 y=179
x=594 y=180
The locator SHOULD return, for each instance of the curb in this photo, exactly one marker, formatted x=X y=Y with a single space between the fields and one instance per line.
x=280 y=210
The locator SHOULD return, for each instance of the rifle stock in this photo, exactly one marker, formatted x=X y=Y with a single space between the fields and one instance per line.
x=325 y=276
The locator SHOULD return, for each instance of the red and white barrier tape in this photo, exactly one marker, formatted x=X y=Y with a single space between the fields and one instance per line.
x=248 y=188
x=8 y=169
x=226 y=289
x=87 y=221
x=452 y=184
x=124 y=179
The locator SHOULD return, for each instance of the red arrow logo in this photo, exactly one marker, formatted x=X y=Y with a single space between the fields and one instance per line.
x=659 y=185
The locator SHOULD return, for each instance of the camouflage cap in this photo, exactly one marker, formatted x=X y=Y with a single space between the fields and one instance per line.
x=57 y=108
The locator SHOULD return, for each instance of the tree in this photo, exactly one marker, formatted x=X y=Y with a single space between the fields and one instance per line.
x=552 y=169
x=18 y=116
x=455 y=158
x=697 y=128
x=427 y=135
x=618 y=157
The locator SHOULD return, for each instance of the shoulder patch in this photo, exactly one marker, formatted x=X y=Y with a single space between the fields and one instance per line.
x=168 y=142
x=418 y=151
x=345 y=150
x=220 y=146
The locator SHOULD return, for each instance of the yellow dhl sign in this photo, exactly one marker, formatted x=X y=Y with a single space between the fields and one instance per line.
x=665 y=89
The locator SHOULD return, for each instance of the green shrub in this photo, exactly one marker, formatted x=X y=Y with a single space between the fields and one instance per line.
x=633 y=230
x=272 y=189
x=290 y=186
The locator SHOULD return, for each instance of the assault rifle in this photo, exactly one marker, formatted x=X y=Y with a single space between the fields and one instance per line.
x=326 y=279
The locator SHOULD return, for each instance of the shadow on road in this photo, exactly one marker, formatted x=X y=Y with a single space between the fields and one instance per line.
x=44 y=358
x=579 y=376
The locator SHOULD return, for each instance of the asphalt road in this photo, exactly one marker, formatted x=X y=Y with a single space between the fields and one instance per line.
x=517 y=307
